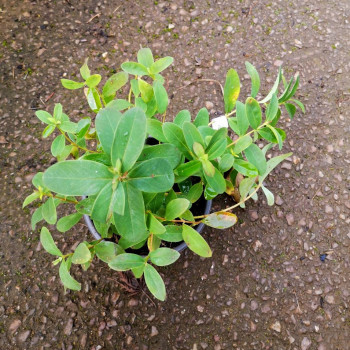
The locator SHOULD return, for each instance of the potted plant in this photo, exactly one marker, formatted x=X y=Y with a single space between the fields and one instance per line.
x=141 y=193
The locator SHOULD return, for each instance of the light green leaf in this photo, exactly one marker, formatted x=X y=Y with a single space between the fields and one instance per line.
x=145 y=57
x=77 y=177
x=146 y=90
x=242 y=120
x=154 y=282
x=277 y=136
x=68 y=126
x=182 y=117
x=198 y=149
x=226 y=162
x=31 y=198
x=174 y=135
x=191 y=135
x=173 y=233
x=119 y=104
x=126 y=261
x=161 y=64
x=245 y=186
x=103 y=206
x=119 y=205
x=195 y=192
x=49 y=211
x=162 y=151
x=300 y=105
x=154 y=226
x=48 y=243
x=81 y=254
x=37 y=216
x=231 y=90
x=67 y=280
x=93 y=80
x=245 y=168
x=164 y=256
x=272 y=108
x=94 y=99
x=71 y=85
x=208 y=167
x=202 y=118
x=154 y=128
x=220 y=220
x=196 y=242
x=272 y=163
x=84 y=70
x=67 y=222
x=269 y=195
x=256 y=157
x=161 y=96
x=242 y=143
x=134 y=68
x=253 y=112
x=57 y=112
x=176 y=207
x=216 y=182
x=44 y=116
x=217 y=144
x=183 y=171
x=57 y=145
x=114 y=83
x=107 y=251
x=294 y=89
x=254 y=76
x=48 y=131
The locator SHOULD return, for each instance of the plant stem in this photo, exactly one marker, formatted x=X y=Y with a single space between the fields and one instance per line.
x=180 y=220
x=62 y=198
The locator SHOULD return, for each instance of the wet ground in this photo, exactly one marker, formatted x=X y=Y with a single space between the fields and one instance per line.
x=280 y=279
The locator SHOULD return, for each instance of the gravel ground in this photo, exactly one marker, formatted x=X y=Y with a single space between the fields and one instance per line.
x=266 y=286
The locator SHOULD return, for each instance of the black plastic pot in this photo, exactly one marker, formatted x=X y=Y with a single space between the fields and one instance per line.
x=179 y=248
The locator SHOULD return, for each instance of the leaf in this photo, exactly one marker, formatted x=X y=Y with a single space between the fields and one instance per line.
x=202 y=118
x=268 y=135
x=134 y=68
x=154 y=282
x=57 y=112
x=81 y=254
x=44 y=116
x=84 y=70
x=161 y=64
x=253 y=112
x=94 y=99
x=66 y=152
x=57 y=145
x=83 y=127
x=286 y=90
x=269 y=195
x=67 y=222
x=195 y=192
x=300 y=105
x=119 y=203
x=37 y=216
x=196 y=242
x=242 y=120
x=216 y=182
x=208 y=167
x=31 y=198
x=272 y=163
x=272 y=108
x=175 y=208
x=183 y=171
x=48 y=131
x=294 y=89
x=161 y=96
x=126 y=261
x=174 y=135
x=49 y=211
x=198 y=149
x=162 y=151
x=226 y=162
x=254 y=76
x=164 y=256
x=48 y=243
x=38 y=180
x=274 y=88
x=85 y=205
x=68 y=126
x=245 y=168
x=71 y=85
x=145 y=57
x=132 y=225
x=277 y=136
x=231 y=90
x=146 y=90
x=93 y=80
x=154 y=226
x=154 y=128
x=182 y=117
x=107 y=251
x=119 y=104
x=192 y=135
x=220 y=220
x=77 y=177
x=256 y=157
x=173 y=233
x=242 y=143
x=245 y=186
x=153 y=175
x=291 y=109
x=102 y=208
x=67 y=280
x=217 y=144
x=114 y=83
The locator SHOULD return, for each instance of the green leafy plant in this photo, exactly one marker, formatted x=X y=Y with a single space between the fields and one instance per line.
x=142 y=195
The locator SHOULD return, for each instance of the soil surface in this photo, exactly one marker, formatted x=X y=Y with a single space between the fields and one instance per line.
x=278 y=280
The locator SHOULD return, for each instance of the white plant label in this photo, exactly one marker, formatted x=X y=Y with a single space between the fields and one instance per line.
x=219 y=122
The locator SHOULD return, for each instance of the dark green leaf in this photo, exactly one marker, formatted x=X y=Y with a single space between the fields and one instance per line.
x=126 y=261
x=182 y=117
x=253 y=112
x=300 y=105
x=102 y=158
x=202 y=118
x=286 y=91
x=81 y=254
x=85 y=205
x=231 y=90
x=67 y=222
x=291 y=109
x=256 y=157
x=154 y=128
x=176 y=207
x=242 y=120
x=71 y=85
x=119 y=205
x=134 y=68
x=48 y=243
x=220 y=220
x=216 y=182
x=245 y=168
x=254 y=76
x=277 y=136
x=294 y=89
x=195 y=192
x=107 y=251
x=191 y=135
x=174 y=135
x=186 y=170
x=226 y=162
x=272 y=108
x=154 y=282
x=161 y=64
x=217 y=144
x=164 y=256
x=103 y=206
x=196 y=242
x=67 y=280
x=164 y=151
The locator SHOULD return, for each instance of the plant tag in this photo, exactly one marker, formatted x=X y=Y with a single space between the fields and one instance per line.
x=219 y=122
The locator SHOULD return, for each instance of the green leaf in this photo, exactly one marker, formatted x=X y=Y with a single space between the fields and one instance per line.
x=217 y=144
x=242 y=143
x=138 y=271
x=245 y=168
x=198 y=149
x=293 y=90
x=272 y=108
x=57 y=145
x=57 y=112
x=103 y=206
x=216 y=182
x=245 y=186
x=162 y=151
x=132 y=225
x=68 y=126
x=48 y=131
x=126 y=261
x=44 y=116
x=253 y=112
x=38 y=180
x=83 y=127
x=207 y=132
x=114 y=83
x=268 y=134
x=154 y=282
x=97 y=157
x=154 y=128
x=71 y=85
x=191 y=135
x=272 y=163
x=85 y=205
x=173 y=233
x=129 y=138
x=37 y=216
x=231 y=90
x=300 y=105
x=285 y=92
x=196 y=242
x=154 y=226
x=176 y=207
x=174 y=135
x=119 y=205
x=195 y=192
x=291 y=109
x=277 y=136
x=274 y=88
x=49 y=211
x=202 y=118
x=254 y=76
x=226 y=162
x=94 y=99
x=164 y=256
x=67 y=222
x=220 y=220
x=81 y=254
x=67 y=280
x=153 y=175
x=183 y=171
x=84 y=70
x=145 y=57
x=93 y=80
x=77 y=177
x=161 y=96
x=119 y=104
x=208 y=167
x=161 y=64
x=107 y=251
x=255 y=156
x=134 y=68
x=269 y=195
x=31 y=198
x=48 y=243
x=146 y=90
x=242 y=120
x=65 y=153
x=182 y=117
